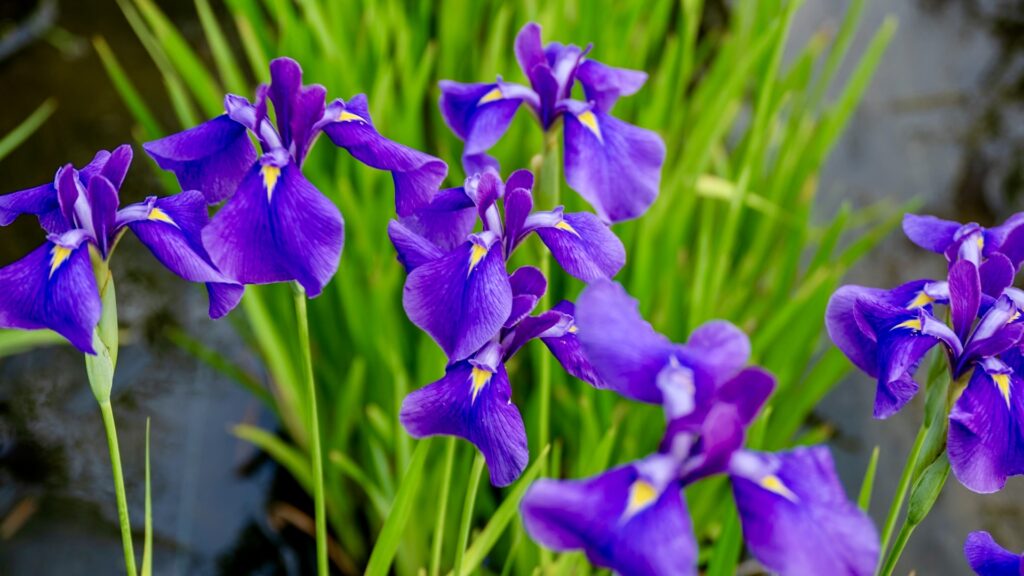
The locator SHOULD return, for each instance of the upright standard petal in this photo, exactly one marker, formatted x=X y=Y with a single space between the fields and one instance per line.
x=171 y=227
x=474 y=403
x=52 y=287
x=463 y=299
x=986 y=431
x=987 y=558
x=604 y=84
x=615 y=166
x=213 y=157
x=796 y=517
x=277 y=228
x=298 y=108
x=584 y=246
x=631 y=519
x=626 y=352
x=964 y=296
x=417 y=176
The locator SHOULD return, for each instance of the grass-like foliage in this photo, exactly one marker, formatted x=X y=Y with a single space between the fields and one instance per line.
x=733 y=236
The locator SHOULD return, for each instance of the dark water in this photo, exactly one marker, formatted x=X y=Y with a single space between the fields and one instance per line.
x=941 y=122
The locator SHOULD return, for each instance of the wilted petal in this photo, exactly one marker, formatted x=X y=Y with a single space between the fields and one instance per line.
x=929 y=232
x=171 y=227
x=584 y=246
x=626 y=352
x=213 y=157
x=417 y=176
x=796 y=517
x=629 y=519
x=614 y=165
x=479 y=114
x=604 y=84
x=277 y=228
x=987 y=558
x=986 y=444
x=463 y=299
x=52 y=287
x=473 y=403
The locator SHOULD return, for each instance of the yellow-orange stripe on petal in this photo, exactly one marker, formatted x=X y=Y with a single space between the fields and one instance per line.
x=478 y=378
x=347 y=116
x=476 y=255
x=58 y=256
x=1003 y=384
x=773 y=483
x=641 y=495
x=158 y=215
x=270 y=174
x=589 y=120
x=492 y=96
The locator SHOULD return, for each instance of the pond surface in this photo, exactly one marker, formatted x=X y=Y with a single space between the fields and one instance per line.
x=930 y=128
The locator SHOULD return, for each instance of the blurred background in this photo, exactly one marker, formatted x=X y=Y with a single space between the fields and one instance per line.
x=940 y=123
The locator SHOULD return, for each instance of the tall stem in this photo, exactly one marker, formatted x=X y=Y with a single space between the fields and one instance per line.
x=319 y=509
x=901 y=491
x=550 y=189
x=467 y=512
x=442 y=508
x=122 y=503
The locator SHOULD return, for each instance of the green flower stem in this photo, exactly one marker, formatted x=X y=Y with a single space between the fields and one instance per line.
x=467 y=512
x=901 y=491
x=122 y=504
x=319 y=509
x=442 y=507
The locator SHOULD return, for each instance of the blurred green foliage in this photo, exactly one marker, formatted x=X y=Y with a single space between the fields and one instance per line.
x=733 y=235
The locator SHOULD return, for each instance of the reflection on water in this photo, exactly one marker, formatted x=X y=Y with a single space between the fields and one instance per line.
x=941 y=121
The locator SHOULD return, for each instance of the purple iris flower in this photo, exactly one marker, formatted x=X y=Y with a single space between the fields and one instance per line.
x=276 y=226
x=886 y=333
x=54 y=286
x=633 y=519
x=460 y=292
x=614 y=165
x=987 y=558
x=458 y=289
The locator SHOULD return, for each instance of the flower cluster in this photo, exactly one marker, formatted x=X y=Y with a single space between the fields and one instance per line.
x=55 y=287
x=614 y=165
x=795 y=516
x=460 y=292
x=276 y=226
x=886 y=333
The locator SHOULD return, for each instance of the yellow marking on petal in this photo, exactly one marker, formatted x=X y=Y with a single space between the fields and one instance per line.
x=563 y=225
x=492 y=96
x=981 y=242
x=590 y=121
x=1015 y=316
x=913 y=324
x=476 y=255
x=58 y=256
x=573 y=329
x=1003 y=383
x=641 y=494
x=159 y=215
x=479 y=378
x=347 y=116
x=920 y=301
x=772 y=483
x=271 y=174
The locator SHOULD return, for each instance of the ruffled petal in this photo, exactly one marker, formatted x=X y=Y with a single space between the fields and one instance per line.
x=463 y=299
x=929 y=232
x=475 y=404
x=171 y=228
x=213 y=157
x=584 y=246
x=626 y=352
x=987 y=558
x=277 y=228
x=604 y=84
x=614 y=165
x=417 y=176
x=623 y=519
x=52 y=287
x=985 y=441
x=796 y=517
